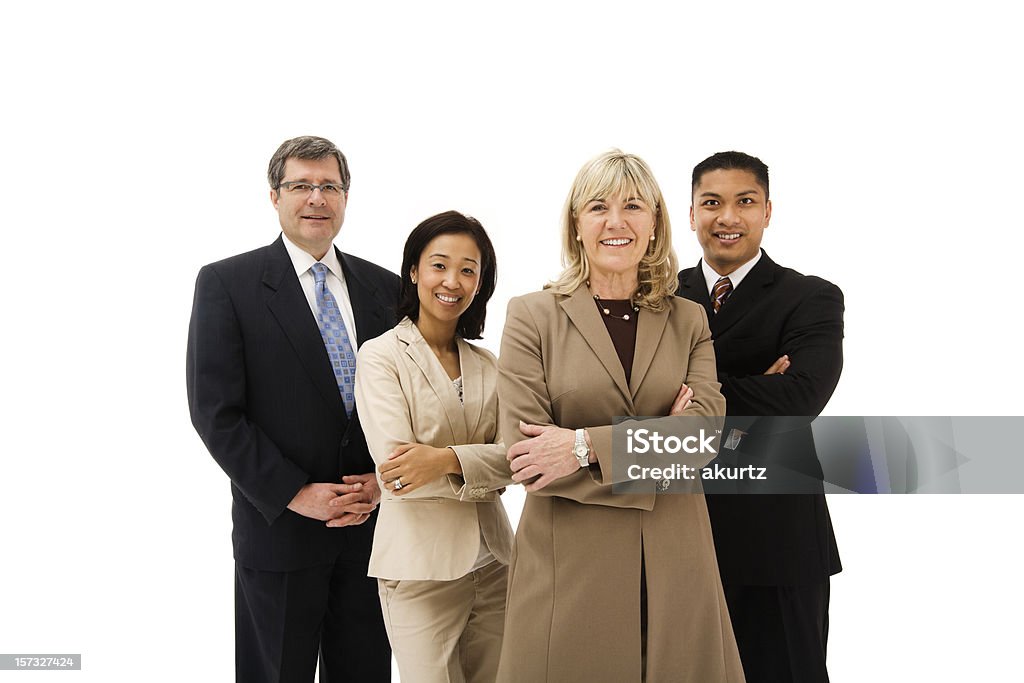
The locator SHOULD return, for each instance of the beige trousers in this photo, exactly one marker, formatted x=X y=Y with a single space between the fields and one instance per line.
x=447 y=631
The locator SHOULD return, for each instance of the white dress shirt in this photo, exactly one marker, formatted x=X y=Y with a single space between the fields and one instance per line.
x=735 y=277
x=302 y=261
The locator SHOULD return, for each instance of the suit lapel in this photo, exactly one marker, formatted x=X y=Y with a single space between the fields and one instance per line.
x=418 y=350
x=650 y=328
x=368 y=310
x=290 y=308
x=695 y=288
x=584 y=315
x=472 y=388
x=745 y=297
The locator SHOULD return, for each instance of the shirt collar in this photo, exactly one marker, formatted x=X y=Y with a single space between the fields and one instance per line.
x=302 y=260
x=735 y=277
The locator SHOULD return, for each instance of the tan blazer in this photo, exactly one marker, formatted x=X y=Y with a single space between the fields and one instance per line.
x=573 y=611
x=404 y=395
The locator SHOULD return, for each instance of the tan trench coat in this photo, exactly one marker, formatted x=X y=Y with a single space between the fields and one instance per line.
x=573 y=609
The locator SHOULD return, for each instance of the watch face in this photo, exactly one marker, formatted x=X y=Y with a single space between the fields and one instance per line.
x=581 y=451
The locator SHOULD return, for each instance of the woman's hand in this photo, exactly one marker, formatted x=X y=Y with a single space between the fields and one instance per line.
x=414 y=464
x=682 y=400
x=546 y=456
x=779 y=367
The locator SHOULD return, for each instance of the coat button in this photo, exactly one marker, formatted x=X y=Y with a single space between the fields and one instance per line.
x=664 y=484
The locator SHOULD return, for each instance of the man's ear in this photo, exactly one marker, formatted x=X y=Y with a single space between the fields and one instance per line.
x=767 y=212
x=274 y=196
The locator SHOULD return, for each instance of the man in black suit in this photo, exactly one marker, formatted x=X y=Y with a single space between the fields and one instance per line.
x=778 y=343
x=270 y=360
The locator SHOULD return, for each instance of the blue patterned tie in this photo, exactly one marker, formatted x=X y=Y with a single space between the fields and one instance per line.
x=335 y=336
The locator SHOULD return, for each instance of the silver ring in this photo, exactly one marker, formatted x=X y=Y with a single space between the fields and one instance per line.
x=398 y=483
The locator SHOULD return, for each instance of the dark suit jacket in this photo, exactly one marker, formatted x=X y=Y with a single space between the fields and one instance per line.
x=265 y=402
x=774 y=539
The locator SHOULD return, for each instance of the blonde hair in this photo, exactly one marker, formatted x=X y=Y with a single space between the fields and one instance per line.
x=627 y=175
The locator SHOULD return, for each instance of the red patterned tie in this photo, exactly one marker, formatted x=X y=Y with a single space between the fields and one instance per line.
x=721 y=292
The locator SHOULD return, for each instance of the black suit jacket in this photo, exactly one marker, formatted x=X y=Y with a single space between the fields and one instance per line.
x=774 y=539
x=263 y=398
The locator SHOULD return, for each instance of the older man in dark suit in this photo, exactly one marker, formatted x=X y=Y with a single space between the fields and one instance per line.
x=778 y=346
x=270 y=364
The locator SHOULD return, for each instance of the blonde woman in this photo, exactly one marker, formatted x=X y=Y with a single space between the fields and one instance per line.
x=605 y=586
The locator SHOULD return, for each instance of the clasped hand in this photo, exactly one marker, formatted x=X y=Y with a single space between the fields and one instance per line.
x=345 y=504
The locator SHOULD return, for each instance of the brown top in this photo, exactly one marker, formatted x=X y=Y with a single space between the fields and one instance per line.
x=622 y=332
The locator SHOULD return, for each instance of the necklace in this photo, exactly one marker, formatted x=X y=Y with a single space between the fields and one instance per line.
x=607 y=311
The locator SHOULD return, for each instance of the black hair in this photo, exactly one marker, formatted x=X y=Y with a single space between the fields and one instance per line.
x=471 y=322
x=730 y=161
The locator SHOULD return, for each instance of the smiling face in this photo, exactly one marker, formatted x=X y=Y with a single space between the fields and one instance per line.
x=447 y=278
x=311 y=220
x=615 y=232
x=729 y=215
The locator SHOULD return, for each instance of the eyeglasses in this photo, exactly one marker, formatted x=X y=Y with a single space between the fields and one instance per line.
x=299 y=188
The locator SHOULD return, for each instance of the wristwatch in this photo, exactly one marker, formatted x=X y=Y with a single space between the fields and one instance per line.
x=580 y=449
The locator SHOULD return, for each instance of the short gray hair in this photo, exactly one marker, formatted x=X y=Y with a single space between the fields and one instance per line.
x=305 y=147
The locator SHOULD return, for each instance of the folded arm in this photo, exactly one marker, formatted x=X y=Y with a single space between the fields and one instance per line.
x=425 y=470
x=812 y=342
x=542 y=449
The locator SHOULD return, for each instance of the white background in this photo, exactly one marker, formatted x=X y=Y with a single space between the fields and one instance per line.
x=135 y=143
